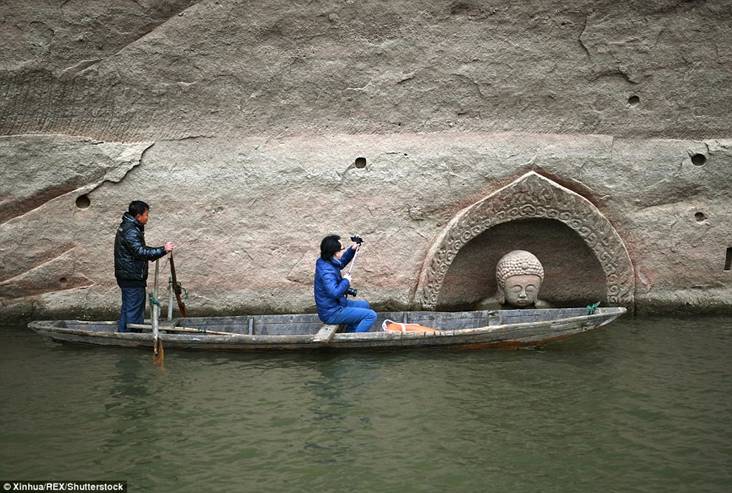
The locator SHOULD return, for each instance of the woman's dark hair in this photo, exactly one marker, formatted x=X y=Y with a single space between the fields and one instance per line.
x=329 y=246
x=138 y=208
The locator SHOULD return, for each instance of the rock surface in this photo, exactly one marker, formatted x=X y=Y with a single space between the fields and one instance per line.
x=240 y=123
x=159 y=69
x=248 y=215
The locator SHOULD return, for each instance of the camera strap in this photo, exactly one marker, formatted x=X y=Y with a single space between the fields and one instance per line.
x=353 y=261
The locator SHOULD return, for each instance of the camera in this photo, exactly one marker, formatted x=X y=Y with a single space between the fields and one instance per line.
x=357 y=239
x=351 y=292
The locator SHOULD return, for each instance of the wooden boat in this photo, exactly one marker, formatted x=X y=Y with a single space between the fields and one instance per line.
x=473 y=329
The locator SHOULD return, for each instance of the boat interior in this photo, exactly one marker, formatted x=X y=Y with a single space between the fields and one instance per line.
x=305 y=324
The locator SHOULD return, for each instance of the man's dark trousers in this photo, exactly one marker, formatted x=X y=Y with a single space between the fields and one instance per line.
x=133 y=307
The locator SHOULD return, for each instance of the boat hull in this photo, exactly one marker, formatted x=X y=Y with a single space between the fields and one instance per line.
x=471 y=330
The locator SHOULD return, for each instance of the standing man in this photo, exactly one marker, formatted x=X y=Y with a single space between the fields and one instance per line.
x=330 y=288
x=131 y=256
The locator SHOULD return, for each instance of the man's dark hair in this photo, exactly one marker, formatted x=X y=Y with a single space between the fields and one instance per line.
x=329 y=246
x=138 y=208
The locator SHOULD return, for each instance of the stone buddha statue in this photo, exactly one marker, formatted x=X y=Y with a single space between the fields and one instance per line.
x=519 y=275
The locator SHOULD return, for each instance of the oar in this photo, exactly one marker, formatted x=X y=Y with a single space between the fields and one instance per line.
x=186 y=330
x=177 y=288
x=158 y=352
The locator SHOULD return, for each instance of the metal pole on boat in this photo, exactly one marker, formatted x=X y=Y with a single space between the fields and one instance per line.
x=170 y=298
x=152 y=307
x=157 y=343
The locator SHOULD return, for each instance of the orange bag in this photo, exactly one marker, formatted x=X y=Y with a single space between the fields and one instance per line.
x=391 y=326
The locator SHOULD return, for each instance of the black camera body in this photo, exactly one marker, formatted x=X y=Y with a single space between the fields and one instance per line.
x=351 y=292
x=357 y=239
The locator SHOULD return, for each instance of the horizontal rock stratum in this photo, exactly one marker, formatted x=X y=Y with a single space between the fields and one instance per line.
x=241 y=124
x=178 y=68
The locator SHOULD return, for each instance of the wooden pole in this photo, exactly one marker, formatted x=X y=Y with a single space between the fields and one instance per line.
x=177 y=289
x=157 y=343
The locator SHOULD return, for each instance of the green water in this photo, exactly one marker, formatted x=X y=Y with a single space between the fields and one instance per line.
x=643 y=405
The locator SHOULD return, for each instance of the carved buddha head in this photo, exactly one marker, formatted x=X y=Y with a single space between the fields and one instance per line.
x=519 y=275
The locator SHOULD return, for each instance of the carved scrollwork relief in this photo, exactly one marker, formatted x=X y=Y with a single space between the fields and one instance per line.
x=528 y=197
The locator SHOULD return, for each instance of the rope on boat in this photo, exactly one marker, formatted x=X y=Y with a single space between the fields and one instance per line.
x=591 y=308
x=154 y=300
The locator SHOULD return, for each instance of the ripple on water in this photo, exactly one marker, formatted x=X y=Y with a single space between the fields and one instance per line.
x=643 y=406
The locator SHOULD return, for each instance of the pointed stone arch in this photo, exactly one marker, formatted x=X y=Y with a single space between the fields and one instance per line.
x=531 y=196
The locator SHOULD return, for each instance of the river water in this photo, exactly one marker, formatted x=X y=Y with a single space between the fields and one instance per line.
x=643 y=405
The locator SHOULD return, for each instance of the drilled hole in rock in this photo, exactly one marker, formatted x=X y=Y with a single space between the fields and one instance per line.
x=360 y=162
x=63 y=280
x=700 y=216
x=82 y=202
x=728 y=260
x=633 y=100
x=698 y=159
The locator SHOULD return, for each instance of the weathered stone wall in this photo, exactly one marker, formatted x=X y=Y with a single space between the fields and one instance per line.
x=123 y=70
x=248 y=215
x=240 y=123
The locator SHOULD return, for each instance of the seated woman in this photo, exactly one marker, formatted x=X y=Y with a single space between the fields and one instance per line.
x=519 y=275
x=330 y=288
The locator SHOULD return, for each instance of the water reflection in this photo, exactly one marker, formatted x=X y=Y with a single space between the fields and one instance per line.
x=333 y=407
x=644 y=404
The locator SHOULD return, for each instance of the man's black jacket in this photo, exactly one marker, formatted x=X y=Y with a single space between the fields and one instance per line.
x=131 y=255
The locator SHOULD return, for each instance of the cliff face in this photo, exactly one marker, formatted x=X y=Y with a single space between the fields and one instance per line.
x=170 y=69
x=240 y=123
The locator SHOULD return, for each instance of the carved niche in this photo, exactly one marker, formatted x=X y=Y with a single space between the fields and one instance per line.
x=528 y=197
